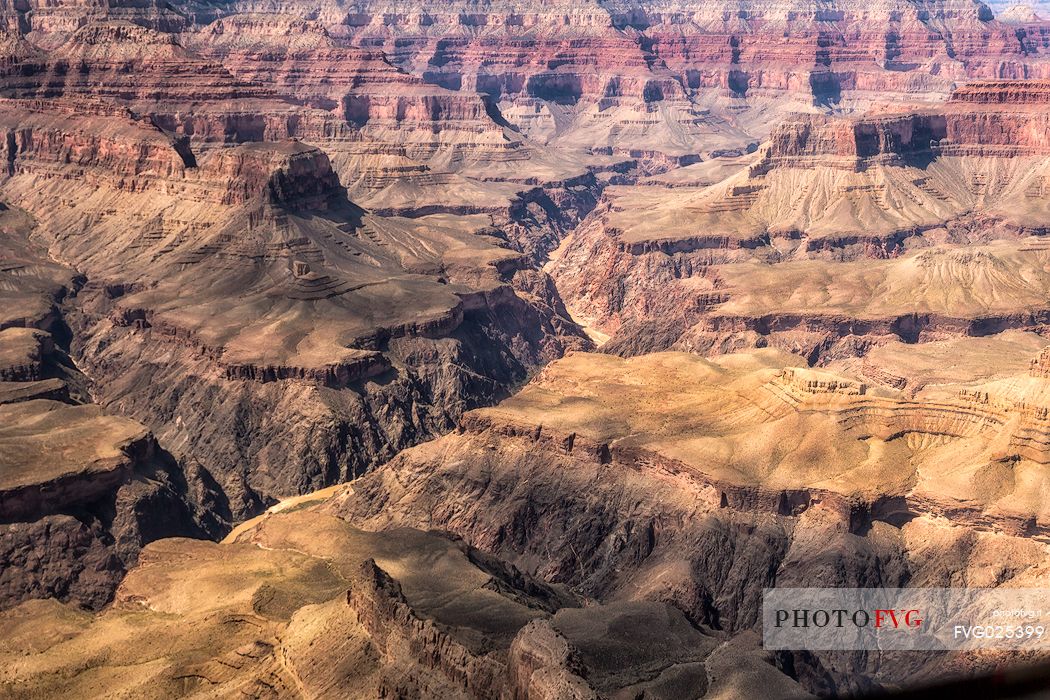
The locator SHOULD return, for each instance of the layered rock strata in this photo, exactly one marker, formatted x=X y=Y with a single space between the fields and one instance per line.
x=80 y=490
x=191 y=262
x=950 y=194
x=295 y=241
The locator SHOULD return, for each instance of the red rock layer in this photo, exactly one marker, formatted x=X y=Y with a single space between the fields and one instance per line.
x=816 y=136
x=56 y=140
x=298 y=58
x=992 y=119
x=563 y=53
x=1004 y=92
x=127 y=62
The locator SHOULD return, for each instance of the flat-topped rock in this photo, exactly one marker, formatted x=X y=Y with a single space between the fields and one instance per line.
x=53 y=454
x=762 y=421
x=53 y=389
x=701 y=482
x=951 y=362
x=22 y=353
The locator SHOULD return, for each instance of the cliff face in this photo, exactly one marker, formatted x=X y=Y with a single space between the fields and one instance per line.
x=648 y=73
x=52 y=22
x=980 y=119
x=894 y=36
x=289 y=175
x=1003 y=92
x=293 y=429
x=674 y=67
x=392 y=328
x=362 y=95
x=283 y=244
x=71 y=527
x=623 y=60
x=95 y=61
x=892 y=138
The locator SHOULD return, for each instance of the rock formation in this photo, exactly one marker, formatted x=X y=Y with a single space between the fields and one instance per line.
x=924 y=194
x=80 y=491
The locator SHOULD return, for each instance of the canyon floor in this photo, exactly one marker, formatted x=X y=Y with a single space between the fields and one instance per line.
x=513 y=349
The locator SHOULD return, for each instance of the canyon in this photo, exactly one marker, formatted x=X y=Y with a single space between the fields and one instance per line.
x=511 y=350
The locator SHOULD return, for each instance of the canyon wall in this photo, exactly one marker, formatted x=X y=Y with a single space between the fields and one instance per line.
x=826 y=190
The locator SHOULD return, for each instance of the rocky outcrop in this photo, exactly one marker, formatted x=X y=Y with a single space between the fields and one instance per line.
x=59 y=557
x=50 y=140
x=275 y=220
x=1040 y=366
x=102 y=53
x=981 y=119
x=543 y=665
x=82 y=492
x=680 y=293
x=22 y=354
x=37 y=138
x=615 y=531
x=823 y=188
x=289 y=174
x=297 y=430
x=293 y=613
x=402 y=636
x=827 y=141
x=964 y=417
x=40 y=487
x=1008 y=93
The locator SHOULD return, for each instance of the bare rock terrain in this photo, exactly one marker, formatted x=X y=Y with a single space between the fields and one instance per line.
x=80 y=490
x=331 y=610
x=510 y=350
x=839 y=235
